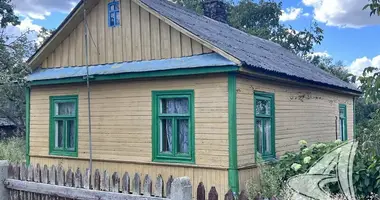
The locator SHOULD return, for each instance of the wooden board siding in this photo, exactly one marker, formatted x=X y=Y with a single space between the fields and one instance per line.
x=246 y=175
x=141 y=36
x=209 y=177
x=121 y=118
x=302 y=113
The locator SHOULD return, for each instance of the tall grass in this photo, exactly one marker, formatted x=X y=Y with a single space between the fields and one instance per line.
x=13 y=149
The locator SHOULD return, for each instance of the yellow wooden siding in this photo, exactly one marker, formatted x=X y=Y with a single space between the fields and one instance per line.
x=121 y=118
x=141 y=36
x=248 y=174
x=301 y=113
x=209 y=177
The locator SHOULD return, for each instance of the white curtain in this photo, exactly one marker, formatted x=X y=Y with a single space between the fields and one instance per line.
x=65 y=108
x=178 y=106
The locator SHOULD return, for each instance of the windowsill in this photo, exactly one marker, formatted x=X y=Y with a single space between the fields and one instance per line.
x=173 y=160
x=63 y=153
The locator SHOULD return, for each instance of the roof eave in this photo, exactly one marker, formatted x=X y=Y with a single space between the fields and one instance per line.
x=265 y=74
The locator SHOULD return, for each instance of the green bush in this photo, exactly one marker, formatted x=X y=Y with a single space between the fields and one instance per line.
x=13 y=149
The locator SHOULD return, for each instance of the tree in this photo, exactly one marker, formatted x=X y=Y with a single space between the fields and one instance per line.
x=374 y=6
x=7 y=15
x=43 y=35
x=262 y=19
x=13 y=52
x=336 y=68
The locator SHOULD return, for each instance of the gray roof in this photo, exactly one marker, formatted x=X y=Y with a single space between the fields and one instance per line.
x=262 y=55
x=198 y=61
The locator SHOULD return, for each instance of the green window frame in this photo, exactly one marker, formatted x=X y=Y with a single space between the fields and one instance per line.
x=262 y=143
x=62 y=142
x=343 y=122
x=161 y=152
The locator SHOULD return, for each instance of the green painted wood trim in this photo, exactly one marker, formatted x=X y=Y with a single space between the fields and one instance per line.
x=233 y=174
x=271 y=97
x=173 y=72
x=27 y=124
x=156 y=156
x=343 y=106
x=63 y=152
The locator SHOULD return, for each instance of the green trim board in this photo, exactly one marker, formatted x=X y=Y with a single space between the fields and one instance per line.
x=157 y=116
x=27 y=124
x=343 y=122
x=233 y=174
x=264 y=118
x=164 y=73
x=64 y=119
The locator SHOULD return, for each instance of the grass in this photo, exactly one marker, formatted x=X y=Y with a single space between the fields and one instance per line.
x=13 y=149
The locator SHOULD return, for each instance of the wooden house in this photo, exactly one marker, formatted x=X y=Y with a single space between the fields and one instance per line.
x=175 y=93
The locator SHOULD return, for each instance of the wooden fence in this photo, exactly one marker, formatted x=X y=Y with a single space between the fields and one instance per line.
x=54 y=183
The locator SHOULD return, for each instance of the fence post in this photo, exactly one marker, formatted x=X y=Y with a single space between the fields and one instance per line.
x=181 y=189
x=4 y=193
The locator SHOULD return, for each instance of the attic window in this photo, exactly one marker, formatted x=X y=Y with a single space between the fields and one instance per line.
x=114 y=14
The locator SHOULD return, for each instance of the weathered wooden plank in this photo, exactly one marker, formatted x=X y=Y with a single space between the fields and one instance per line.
x=127 y=32
x=45 y=175
x=97 y=180
x=78 y=179
x=115 y=186
x=196 y=47
x=53 y=175
x=169 y=186
x=165 y=40
x=69 y=178
x=136 y=184
x=105 y=181
x=159 y=186
x=243 y=195
x=126 y=183
x=201 y=192
x=60 y=176
x=175 y=41
x=155 y=37
x=145 y=35
x=186 y=45
x=10 y=171
x=136 y=31
x=147 y=186
x=69 y=192
x=228 y=196
x=87 y=177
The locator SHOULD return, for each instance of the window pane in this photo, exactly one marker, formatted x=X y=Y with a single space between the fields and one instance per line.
x=112 y=19
x=259 y=129
x=117 y=18
x=66 y=108
x=166 y=136
x=263 y=107
x=71 y=134
x=183 y=136
x=116 y=6
x=268 y=137
x=112 y=7
x=342 y=129
x=175 y=106
x=59 y=129
x=341 y=112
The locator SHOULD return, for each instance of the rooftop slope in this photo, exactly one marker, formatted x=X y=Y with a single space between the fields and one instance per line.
x=260 y=54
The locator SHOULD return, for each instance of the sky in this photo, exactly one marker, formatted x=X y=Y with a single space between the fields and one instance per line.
x=350 y=34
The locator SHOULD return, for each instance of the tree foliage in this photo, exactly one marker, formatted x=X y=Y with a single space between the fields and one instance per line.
x=373 y=6
x=337 y=68
x=7 y=15
x=262 y=19
x=13 y=52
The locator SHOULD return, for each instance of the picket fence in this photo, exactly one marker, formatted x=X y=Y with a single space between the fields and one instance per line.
x=23 y=182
